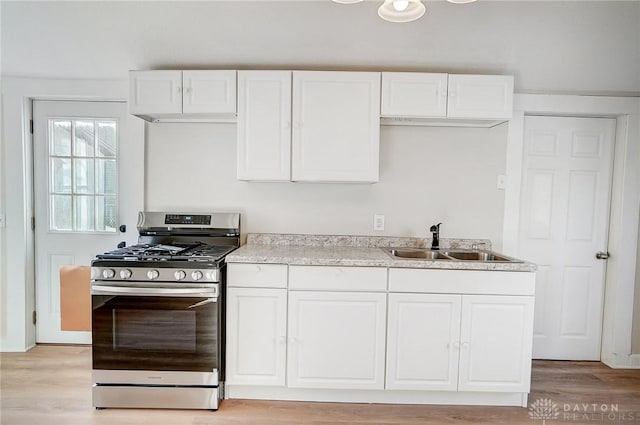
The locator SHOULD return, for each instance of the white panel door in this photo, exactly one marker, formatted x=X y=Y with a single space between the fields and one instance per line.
x=336 y=340
x=155 y=92
x=564 y=215
x=336 y=126
x=423 y=341
x=495 y=343
x=209 y=91
x=88 y=181
x=256 y=336
x=264 y=125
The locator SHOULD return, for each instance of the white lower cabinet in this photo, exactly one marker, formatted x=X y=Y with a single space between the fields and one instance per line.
x=496 y=337
x=372 y=334
x=424 y=332
x=459 y=342
x=336 y=340
x=256 y=336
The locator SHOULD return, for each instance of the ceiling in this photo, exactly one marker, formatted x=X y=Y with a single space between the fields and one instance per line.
x=590 y=47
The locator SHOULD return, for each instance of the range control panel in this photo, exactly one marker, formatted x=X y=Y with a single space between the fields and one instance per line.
x=199 y=219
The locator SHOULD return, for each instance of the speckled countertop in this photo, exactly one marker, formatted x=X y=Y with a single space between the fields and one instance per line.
x=368 y=251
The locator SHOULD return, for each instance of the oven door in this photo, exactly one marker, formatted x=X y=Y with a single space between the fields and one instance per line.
x=161 y=329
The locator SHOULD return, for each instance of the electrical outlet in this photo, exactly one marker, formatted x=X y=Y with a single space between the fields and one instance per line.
x=378 y=222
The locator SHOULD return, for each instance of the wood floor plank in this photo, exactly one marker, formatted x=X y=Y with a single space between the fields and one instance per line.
x=50 y=385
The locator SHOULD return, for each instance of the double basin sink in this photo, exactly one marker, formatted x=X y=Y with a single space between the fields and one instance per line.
x=449 y=255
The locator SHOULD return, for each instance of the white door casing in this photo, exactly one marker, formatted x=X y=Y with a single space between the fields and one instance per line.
x=54 y=248
x=564 y=216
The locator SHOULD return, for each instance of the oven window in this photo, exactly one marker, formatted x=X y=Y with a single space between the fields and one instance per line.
x=156 y=333
x=154 y=330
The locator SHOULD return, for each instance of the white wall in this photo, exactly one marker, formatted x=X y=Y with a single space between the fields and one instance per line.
x=427 y=175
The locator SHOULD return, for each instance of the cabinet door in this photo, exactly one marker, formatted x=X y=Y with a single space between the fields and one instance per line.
x=336 y=340
x=480 y=96
x=264 y=125
x=336 y=126
x=155 y=92
x=209 y=91
x=423 y=341
x=256 y=336
x=495 y=343
x=414 y=94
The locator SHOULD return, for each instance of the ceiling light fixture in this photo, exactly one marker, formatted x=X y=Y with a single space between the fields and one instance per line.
x=401 y=10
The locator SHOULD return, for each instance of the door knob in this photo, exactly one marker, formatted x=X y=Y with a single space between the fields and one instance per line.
x=123 y=228
x=602 y=255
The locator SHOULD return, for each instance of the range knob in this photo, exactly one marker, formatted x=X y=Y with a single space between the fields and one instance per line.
x=108 y=273
x=197 y=275
x=125 y=274
x=179 y=275
x=153 y=274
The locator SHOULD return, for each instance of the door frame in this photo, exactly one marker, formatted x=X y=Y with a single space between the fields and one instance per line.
x=625 y=205
x=17 y=265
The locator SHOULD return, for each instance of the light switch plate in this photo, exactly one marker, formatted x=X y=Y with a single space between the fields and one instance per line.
x=378 y=222
x=501 y=182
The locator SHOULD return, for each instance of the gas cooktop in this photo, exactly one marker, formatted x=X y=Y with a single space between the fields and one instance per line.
x=195 y=251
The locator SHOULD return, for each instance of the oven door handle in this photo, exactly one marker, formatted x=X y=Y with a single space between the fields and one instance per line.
x=204 y=302
x=157 y=292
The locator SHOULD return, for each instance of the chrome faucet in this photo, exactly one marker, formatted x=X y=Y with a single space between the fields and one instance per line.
x=435 y=241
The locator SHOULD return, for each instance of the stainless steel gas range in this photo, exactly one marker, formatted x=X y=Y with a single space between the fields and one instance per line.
x=158 y=313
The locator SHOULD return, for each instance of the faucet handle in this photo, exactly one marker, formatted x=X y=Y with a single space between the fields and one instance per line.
x=435 y=228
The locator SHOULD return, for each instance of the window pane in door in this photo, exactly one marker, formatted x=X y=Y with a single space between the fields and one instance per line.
x=61 y=175
x=84 y=213
x=61 y=213
x=61 y=135
x=83 y=139
x=106 y=217
x=83 y=164
x=83 y=176
x=106 y=138
x=106 y=176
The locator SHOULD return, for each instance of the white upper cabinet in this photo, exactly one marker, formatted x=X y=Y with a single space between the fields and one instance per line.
x=209 y=92
x=413 y=98
x=183 y=95
x=336 y=126
x=155 y=92
x=264 y=125
x=414 y=94
x=330 y=132
x=480 y=96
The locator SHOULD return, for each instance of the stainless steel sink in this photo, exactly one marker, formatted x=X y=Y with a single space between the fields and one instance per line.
x=460 y=255
x=417 y=254
x=485 y=256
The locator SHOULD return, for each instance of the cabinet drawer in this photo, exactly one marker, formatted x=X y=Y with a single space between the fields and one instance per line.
x=257 y=275
x=334 y=278
x=461 y=282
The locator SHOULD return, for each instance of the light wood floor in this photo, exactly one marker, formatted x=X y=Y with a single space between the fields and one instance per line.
x=50 y=385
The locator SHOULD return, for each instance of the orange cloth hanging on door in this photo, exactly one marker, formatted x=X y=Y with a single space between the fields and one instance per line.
x=75 y=298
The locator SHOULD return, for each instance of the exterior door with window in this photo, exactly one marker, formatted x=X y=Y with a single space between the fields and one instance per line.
x=88 y=182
